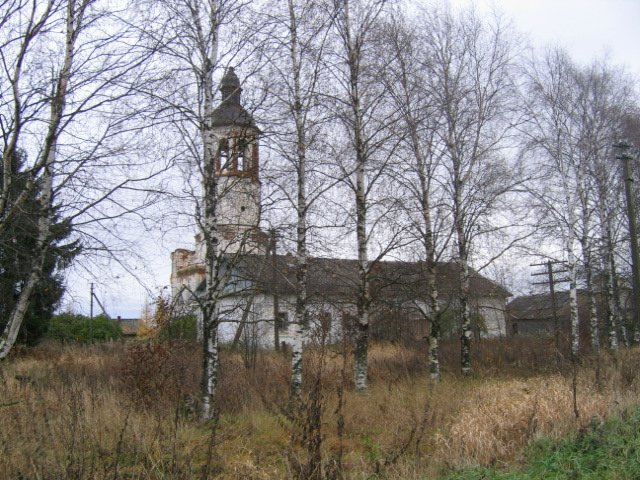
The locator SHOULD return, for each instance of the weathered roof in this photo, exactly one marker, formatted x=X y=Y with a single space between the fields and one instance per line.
x=332 y=277
x=230 y=112
x=540 y=306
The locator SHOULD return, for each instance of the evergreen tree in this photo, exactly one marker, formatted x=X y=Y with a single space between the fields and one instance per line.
x=17 y=251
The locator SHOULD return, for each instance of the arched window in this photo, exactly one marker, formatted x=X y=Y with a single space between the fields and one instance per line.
x=223 y=155
x=241 y=159
x=282 y=320
x=325 y=322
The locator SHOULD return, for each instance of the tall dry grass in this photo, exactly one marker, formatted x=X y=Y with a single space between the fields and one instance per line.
x=116 y=411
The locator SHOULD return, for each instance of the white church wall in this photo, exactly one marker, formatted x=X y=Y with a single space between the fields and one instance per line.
x=260 y=320
x=492 y=311
x=239 y=201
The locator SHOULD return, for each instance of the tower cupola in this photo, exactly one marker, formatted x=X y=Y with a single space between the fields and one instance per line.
x=236 y=132
x=230 y=113
x=230 y=87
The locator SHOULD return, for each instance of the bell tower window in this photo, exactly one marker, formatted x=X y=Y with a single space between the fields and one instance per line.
x=223 y=155
x=241 y=155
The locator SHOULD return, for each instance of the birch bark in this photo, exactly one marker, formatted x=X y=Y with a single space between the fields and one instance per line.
x=419 y=117
x=74 y=23
x=207 y=44
x=608 y=270
x=295 y=83
x=301 y=205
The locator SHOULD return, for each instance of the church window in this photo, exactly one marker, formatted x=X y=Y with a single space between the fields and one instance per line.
x=223 y=155
x=325 y=322
x=241 y=154
x=282 y=320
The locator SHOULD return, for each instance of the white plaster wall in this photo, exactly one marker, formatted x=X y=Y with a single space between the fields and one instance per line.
x=239 y=201
x=261 y=322
x=493 y=312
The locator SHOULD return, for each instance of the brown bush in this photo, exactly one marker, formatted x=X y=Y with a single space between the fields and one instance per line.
x=521 y=356
x=156 y=375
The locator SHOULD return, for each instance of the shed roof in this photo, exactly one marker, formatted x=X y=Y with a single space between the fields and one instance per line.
x=540 y=306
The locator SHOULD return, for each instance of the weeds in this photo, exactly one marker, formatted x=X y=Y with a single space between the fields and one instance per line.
x=602 y=450
x=116 y=411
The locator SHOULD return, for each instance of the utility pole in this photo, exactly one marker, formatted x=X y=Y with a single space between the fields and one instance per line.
x=276 y=301
x=623 y=148
x=94 y=297
x=91 y=315
x=551 y=281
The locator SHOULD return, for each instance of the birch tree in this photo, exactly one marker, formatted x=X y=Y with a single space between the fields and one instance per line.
x=195 y=35
x=550 y=132
x=65 y=89
x=364 y=115
x=416 y=171
x=199 y=41
x=294 y=82
x=574 y=114
x=469 y=77
x=602 y=101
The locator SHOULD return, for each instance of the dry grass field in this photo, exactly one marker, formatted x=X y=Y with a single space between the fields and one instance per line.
x=118 y=411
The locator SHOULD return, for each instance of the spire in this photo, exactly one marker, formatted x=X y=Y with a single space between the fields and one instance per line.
x=230 y=112
x=230 y=87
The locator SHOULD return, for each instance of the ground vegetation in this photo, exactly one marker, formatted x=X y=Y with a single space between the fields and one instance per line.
x=119 y=410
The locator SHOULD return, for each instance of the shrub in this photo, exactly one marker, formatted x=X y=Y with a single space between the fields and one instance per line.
x=157 y=374
x=180 y=328
x=70 y=327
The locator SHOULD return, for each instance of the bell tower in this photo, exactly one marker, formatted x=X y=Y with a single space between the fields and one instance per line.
x=237 y=165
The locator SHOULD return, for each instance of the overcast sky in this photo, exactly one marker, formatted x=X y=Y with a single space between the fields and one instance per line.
x=588 y=29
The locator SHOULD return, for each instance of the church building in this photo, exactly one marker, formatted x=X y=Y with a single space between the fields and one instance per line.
x=260 y=299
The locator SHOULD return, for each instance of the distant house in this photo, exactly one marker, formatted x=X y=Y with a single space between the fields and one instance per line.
x=533 y=314
x=129 y=326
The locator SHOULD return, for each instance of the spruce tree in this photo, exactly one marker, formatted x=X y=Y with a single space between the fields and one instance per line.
x=17 y=251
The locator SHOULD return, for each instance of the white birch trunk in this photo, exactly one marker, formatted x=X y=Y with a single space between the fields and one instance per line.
x=432 y=289
x=593 y=321
x=463 y=269
x=571 y=264
x=573 y=297
x=362 y=332
x=424 y=178
x=593 y=314
x=434 y=304
x=209 y=371
x=207 y=43
x=296 y=359
x=613 y=313
x=363 y=300
x=621 y=321
x=301 y=210
x=75 y=12
x=465 y=350
x=571 y=224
